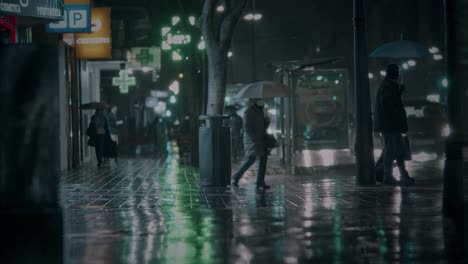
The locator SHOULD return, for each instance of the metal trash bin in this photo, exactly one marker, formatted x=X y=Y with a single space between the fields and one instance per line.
x=215 y=151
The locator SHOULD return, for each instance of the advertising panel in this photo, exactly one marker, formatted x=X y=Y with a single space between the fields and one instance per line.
x=76 y=18
x=97 y=44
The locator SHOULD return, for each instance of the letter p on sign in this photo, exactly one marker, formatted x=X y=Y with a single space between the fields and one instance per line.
x=77 y=19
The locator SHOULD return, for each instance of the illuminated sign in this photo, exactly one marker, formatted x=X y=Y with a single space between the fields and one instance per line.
x=124 y=81
x=145 y=57
x=97 y=44
x=48 y=9
x=76 y=19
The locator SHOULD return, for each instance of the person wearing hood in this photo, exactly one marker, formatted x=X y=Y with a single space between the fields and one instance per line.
x=390 y=120
x=255 y=125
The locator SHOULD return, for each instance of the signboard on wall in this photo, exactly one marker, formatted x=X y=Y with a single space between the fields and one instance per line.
x=145 y=57
x=97 y=44
x=48 y=9
x=76 y=18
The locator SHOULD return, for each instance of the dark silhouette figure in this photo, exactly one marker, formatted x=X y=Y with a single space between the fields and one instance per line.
x=236 y=125
x=98 y=132
x=255 y=125
x=390 y=120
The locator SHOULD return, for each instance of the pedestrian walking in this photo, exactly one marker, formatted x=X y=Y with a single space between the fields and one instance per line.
x=255 y=147
x=236 y=125
x=113 y=122
x=390 y=120
x=98 y=132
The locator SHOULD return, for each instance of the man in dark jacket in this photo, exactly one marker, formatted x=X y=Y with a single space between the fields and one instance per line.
x=255 y=125
x=390 y=120
x=236 y=125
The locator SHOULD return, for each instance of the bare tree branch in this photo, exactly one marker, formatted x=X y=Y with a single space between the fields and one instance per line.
x=207 y=21
x=236 y=7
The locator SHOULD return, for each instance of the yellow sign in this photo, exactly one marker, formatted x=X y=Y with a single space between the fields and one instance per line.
x=77 y=2
x=97 y=44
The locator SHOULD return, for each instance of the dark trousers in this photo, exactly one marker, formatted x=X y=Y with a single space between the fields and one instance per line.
x=249 y=162
x=392 y=148
x=99 y=147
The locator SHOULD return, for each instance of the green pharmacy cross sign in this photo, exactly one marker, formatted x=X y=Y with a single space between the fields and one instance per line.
x=173 y=38
x=144 y=58
x=124 y=81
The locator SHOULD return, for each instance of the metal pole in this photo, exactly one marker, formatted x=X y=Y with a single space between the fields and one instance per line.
x=287 y=125
x=364 y=146
x=293 y=121
x=254 y=63
x=454 y=167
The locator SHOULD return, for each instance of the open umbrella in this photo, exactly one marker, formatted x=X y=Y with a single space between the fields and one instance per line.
x=264 y=89
x=402 y=49
x=94 y=105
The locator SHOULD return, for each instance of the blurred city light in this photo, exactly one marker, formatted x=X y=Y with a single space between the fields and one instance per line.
x=175 y=20
x=165 y=30
x=437 y=57
x=192 y=20
x=249 y=16
x=412 y=63
x=371 y=76
x=444 y=82
x=446 y=131
x=405 y=66
x=257 y=16
x=165 y=45
x=168 y=113
x=433 y=98
x=174 y=87
x=173 y=99
x=146 y=69
x=176 y=56
x=201 y=45
x=181 y=75
x=337 y=81
x=272 y=111
x=319 y=78
x=229 y=54
x=383 y=73
x=434 y=50
x=220 y=8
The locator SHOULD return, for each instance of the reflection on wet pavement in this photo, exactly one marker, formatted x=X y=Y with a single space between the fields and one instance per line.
x=152 y=211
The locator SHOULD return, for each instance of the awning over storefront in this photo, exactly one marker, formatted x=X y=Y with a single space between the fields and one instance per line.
x=45 y=9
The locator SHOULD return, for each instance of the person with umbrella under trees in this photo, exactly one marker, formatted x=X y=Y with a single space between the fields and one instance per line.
x=255 y=143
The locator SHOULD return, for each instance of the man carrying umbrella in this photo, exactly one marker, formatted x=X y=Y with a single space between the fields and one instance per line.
x=390 y=120
x=255 y=125
x=257 y=143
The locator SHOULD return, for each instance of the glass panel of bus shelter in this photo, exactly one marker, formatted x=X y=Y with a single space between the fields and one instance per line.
x=321 y=109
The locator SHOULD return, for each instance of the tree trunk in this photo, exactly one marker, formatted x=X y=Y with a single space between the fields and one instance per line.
x=217 y=74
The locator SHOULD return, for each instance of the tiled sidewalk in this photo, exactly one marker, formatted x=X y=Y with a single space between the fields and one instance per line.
x=152 y=211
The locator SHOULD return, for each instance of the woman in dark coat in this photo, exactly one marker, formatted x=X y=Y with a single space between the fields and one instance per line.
x=98 y=132
x=255 y=125
x=390 y=120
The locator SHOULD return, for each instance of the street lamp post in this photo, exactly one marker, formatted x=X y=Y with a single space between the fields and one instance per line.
x=364 y=140
x=253 y=17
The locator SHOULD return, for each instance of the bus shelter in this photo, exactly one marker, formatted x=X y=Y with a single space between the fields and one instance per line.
x=316 y=117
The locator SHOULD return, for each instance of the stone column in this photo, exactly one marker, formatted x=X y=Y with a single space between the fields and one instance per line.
x=29 y=145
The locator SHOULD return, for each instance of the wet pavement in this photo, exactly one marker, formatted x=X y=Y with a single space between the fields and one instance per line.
x=153 y=211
